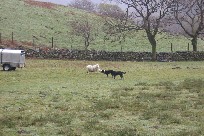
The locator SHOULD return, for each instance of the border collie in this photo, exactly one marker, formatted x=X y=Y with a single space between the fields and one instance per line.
x=107 y=72
x=115 y=73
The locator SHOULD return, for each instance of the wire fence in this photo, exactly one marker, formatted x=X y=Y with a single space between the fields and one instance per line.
x=54 y=42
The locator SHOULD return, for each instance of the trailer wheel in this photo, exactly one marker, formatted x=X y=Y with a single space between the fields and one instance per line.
x=6 y=67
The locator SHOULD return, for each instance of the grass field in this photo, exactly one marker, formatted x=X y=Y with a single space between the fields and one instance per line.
x=58 y=97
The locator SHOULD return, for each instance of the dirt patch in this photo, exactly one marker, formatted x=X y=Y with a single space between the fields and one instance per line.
x=47 y=5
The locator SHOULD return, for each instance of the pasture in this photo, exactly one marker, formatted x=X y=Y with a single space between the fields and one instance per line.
x=58 y=97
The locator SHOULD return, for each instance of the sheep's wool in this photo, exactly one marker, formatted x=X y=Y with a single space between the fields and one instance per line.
x=92 y=68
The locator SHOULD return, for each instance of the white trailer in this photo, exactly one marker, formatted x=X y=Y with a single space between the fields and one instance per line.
x=11 y=59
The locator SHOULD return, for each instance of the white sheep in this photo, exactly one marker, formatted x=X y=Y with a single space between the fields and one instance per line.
x=93 y=68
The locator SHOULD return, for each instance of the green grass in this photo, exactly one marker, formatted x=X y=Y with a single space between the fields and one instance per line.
x=56 y=97
x=28 y=21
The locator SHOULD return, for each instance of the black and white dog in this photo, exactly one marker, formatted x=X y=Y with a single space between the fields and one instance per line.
x=113 y=73
x=107 y=72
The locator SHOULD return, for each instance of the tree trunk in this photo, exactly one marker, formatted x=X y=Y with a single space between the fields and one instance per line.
x=154 y=53
x=86 y=43
x=194 y=43
x=153 y=43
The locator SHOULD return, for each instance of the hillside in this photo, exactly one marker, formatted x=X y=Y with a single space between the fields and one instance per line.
x=39 y=22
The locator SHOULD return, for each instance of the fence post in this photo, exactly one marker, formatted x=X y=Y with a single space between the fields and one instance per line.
x=121 y=49
x=188 y=46
x=12 y=37
x=52 y=42
x=171 y=47
x=0 y=37
x=33 y=42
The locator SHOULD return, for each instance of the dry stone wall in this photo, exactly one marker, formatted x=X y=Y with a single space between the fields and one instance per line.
x=50 y=53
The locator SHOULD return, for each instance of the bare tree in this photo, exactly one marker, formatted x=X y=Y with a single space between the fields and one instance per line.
x=147 y=15
x=190 y=17
x=115 y=22
x=110 y=10
x=118 y=27
x=87 y=5
x=84 y=29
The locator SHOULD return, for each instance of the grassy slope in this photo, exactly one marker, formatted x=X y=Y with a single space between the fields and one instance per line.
x=27 y=21
x=54 y=97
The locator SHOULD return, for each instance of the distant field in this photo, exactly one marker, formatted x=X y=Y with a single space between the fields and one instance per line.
x=33 y=21
x=55 y=97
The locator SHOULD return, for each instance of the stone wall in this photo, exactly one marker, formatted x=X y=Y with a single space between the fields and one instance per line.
x=49 y=53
